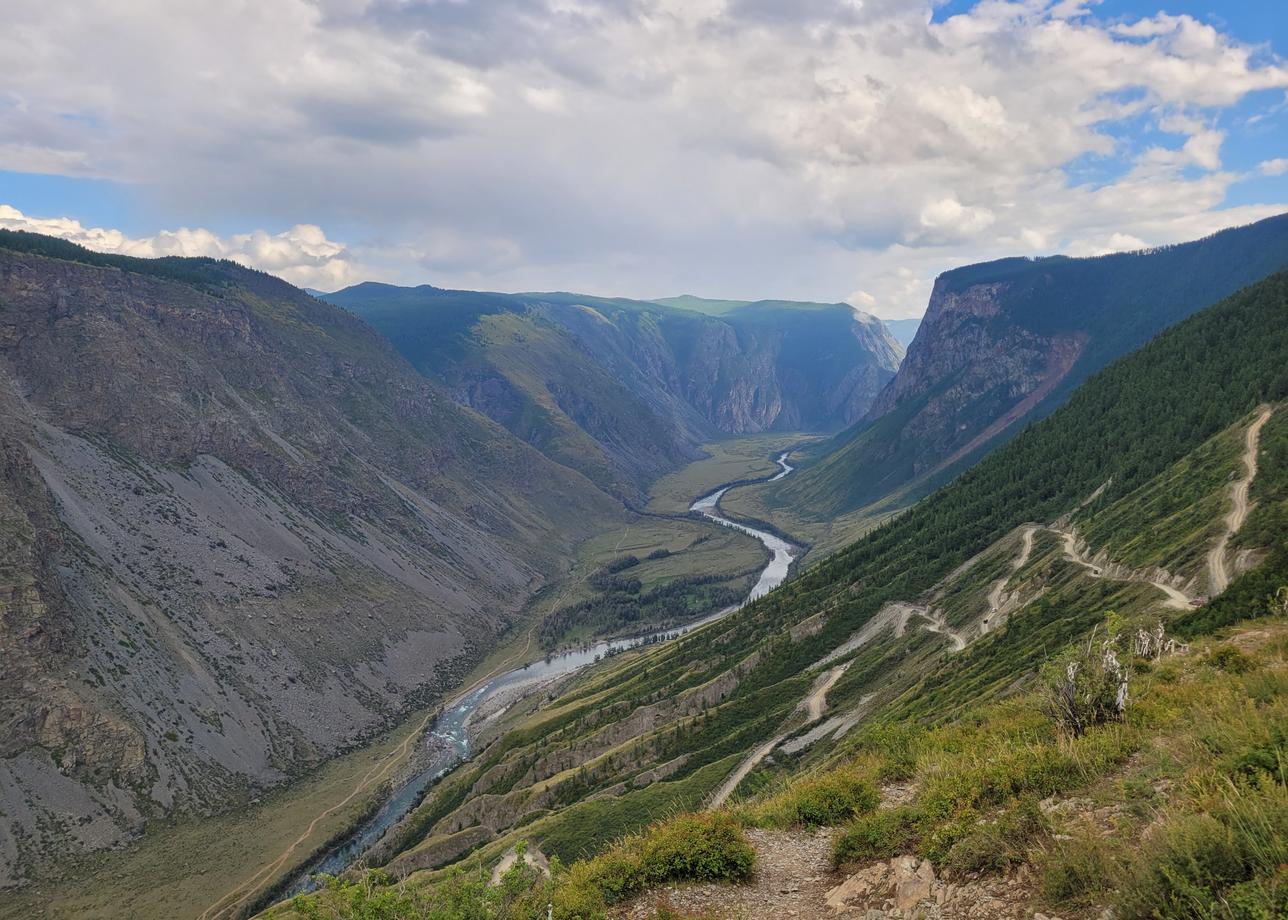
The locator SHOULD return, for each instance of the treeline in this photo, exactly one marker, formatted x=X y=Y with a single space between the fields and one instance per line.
x=186 y=269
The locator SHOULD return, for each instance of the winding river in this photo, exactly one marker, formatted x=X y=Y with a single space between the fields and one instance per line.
x=451 y=728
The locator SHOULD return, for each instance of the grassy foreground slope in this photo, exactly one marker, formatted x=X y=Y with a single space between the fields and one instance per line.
x=1164 y=415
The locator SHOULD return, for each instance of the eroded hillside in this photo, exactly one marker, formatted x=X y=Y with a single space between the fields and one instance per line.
x=240 y=534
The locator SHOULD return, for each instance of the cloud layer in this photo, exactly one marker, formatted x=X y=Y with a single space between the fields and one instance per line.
x=731 y=147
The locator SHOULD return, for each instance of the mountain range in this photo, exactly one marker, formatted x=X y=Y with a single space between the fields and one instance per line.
x=1004 y=343
x=625 y=390
x=247 y=530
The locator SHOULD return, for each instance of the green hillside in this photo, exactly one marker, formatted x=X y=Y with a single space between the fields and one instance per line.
x=624 y=391
x=945 y=615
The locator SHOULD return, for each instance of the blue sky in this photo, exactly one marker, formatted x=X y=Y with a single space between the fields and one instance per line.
x=743 y=148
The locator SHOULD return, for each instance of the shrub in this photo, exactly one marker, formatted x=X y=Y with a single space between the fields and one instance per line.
x=820 y=801
x=698 y=847
x=1088 y=688
x=616 y=874
x=1229 y=659
x=833 y=798
x=879 y=835
x=1077 y=871
x=997 y=845
x=1226 y=863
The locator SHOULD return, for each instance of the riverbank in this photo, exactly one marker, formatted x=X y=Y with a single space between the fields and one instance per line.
x=454 y=726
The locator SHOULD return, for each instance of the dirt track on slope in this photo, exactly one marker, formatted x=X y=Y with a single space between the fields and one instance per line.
x=1218 y=573
x=1175 y=597
x=814 y=704
x=936 y=623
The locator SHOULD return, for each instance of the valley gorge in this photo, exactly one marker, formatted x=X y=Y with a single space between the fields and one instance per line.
x=644 y=460
x=418 y=576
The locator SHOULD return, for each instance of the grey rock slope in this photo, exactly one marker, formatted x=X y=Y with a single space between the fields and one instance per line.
x=238 y=533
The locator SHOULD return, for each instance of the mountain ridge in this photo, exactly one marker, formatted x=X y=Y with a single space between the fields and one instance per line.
x=230 y=508
x=626 y=390
x=1005 y=342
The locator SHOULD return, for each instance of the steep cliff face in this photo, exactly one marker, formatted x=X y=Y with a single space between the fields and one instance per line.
x=625 y=390
x=969 y=377
x=237 y=534
x=1006 y=342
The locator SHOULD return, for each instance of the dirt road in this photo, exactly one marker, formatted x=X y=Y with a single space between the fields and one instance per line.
x=996 y=599
x=936 y=623
x=815 y=704
x=1175 y=597
x=1218 y=573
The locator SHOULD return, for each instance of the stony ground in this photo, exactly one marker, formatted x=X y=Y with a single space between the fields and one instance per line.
x=794 y=878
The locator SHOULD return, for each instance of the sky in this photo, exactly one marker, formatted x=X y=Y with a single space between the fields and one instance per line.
x=806 y=149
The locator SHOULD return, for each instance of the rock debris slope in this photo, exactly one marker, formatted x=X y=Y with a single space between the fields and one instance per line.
x=239 y=534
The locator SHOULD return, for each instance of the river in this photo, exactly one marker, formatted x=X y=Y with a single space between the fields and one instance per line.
x=452 y=727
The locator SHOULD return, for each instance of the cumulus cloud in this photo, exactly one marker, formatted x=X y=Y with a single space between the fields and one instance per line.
x=302 y=255
x=740 y=148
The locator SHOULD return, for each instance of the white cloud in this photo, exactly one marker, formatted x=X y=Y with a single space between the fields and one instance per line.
x=738 y=147
x=1275 y=167
x=947 y=221
x=302 y=255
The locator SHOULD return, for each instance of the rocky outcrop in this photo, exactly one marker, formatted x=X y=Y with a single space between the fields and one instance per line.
x=968 y=377
x=439 y=851
x=908 y=888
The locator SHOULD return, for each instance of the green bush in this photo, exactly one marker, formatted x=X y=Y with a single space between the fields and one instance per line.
x=833 y=798
x=1228 y=863
x=1229 y=659
x=1077 y=871
x=879 y=835
x=998 y=845
x=699 y=847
